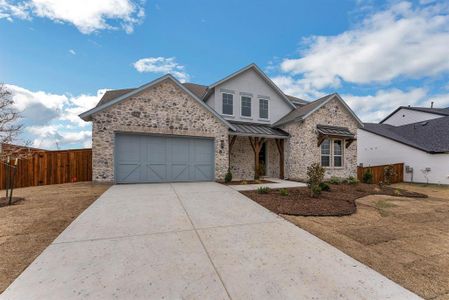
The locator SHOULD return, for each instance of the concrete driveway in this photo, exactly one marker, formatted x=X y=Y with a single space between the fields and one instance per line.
x=192 y=241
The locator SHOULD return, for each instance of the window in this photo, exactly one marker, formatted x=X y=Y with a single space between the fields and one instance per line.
x=326 y=153
x=246 y=106
x=263 y=108
x=338 y=153
x=228 y=104
x=332 y=153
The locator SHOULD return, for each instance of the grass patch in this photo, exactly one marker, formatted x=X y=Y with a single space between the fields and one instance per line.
x=383 y=206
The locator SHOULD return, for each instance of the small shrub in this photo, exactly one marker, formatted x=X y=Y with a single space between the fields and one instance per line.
x=228 y=176
x=315 y=174
x=367 y=176
x=325 y=187
x=315 y=191
x=283 y=192
x=263 y=190
x=397 y=193
x=389 y=173
x=351 y=180
x=335 y=180
x=244 y=182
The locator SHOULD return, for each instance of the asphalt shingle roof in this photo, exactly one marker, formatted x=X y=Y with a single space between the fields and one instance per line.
x=196 y=89
x=431 y=136
x=301 y=111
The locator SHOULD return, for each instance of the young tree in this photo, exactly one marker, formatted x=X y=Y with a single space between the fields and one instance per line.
x=10 y=128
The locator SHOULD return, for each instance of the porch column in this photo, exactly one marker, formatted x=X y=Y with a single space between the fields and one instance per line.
x=256 y=144
x=231 y=143
x=280 y=146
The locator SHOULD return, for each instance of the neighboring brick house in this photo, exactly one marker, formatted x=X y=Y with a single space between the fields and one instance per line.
x=170 y=131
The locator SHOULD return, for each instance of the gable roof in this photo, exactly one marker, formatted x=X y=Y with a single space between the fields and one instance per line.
x=430 y=136
x=125 y=94
x=431 y=110
x=306 y=110
x=258 y=71
x=297 y=101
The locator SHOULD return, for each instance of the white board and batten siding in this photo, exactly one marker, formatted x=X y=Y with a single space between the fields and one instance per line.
x=373 y=150
x=251 y=84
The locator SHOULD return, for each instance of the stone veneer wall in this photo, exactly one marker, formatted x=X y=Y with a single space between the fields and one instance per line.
x=161 y=109
x=302 y=149
x=242 y=159
x=273 y=159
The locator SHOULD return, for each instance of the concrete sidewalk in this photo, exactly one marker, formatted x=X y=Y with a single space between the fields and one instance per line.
x=276 y=184
x=192 y=241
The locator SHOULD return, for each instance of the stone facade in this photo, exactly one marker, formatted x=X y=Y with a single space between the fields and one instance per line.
x=242 y=159
x=302 y=150
x=161 y=109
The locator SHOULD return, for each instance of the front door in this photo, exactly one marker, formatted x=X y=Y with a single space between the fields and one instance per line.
x=263 y=160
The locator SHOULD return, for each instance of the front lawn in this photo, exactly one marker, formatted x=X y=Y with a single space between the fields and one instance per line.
x=339 y=201
x=405 y=239
x=29 y=226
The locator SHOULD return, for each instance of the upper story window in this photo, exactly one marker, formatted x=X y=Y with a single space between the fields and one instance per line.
x=332 y=153
x=246 y=106
x=228 y=104
x=263 y=108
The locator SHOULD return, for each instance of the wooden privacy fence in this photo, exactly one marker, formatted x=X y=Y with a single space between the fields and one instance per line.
x=51 y=167
x=378 y=173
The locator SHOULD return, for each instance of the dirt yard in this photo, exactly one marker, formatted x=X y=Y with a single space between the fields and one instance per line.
x=29 y=226
x=406 y=239
x=340 y=200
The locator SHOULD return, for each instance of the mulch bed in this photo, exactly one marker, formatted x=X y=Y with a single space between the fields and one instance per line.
x=244 y=182
x=15 y=200
x=339 y=201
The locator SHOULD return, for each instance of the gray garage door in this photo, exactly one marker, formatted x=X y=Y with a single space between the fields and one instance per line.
x=143 y=158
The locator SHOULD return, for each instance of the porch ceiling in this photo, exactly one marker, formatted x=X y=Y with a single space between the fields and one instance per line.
x=257 y=130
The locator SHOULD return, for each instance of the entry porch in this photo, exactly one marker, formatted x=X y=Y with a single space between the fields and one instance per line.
x=256 y=151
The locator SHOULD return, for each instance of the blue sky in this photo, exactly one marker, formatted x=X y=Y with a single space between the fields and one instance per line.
x=58 y=56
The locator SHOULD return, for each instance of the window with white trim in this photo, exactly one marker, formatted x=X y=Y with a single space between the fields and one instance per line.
x=246 y=106
x=332 y=153
x=338 y=153
x=263 y=108
x=228 y=104
x=326 y=153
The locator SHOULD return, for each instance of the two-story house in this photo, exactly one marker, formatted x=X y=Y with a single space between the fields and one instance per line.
x=168 y=131
x=415 y=136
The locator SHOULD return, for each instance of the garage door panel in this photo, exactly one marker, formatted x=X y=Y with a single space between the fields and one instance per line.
x=180 y=172
x=129 y=172
x=156 y=173
x=203 y=172
x=144 y=158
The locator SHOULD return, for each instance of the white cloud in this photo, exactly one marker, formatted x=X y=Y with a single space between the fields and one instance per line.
x=52 y=137
x=51 y=120
x=10 y=11
x=162 y=65
x=87 y=16
x=73 y=52
x=402 y=41
x=373 y=108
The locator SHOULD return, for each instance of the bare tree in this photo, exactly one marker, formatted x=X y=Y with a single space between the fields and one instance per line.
x=10 y=128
